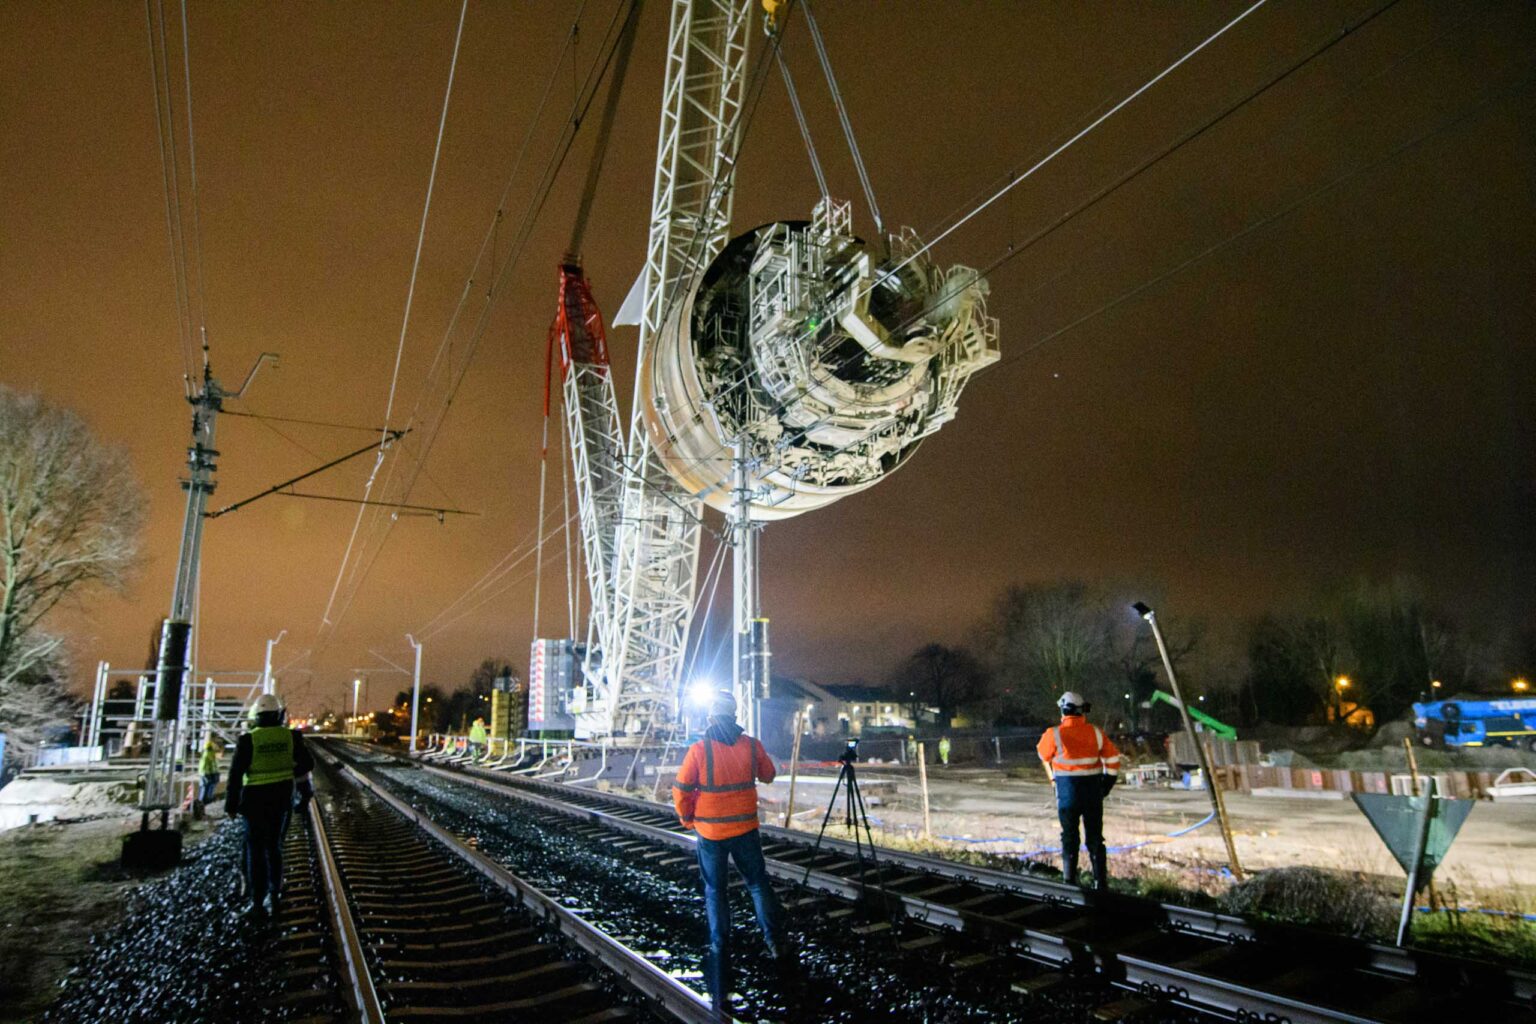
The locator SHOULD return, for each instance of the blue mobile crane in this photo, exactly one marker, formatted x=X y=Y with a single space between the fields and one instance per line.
x=1477 y=722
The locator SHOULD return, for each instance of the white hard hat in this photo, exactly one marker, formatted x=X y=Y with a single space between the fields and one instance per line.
x=267 y=703
x=1072 y=703
x=723 y=706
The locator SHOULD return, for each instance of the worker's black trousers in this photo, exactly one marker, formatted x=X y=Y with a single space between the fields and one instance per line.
x=1080 y=799
x=265 y=809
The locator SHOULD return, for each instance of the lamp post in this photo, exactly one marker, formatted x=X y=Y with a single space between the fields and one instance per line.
x=357 y=685
x=415 y=690
x=266 y=672
x=1217 y=805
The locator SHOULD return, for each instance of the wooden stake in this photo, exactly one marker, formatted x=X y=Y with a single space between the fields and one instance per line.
x=1221 y=808
x=1413 y=764
x=922 y=778
x=794 y=768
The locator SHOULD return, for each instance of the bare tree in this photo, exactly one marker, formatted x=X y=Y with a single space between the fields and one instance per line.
x=1042 y=639
x=943 y=677
x=71 y=512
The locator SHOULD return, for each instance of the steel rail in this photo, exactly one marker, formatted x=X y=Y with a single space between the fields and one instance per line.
x=361 y=993
x=629 y=967
x=1373 y=956
x=1056 y=948
x=1189 y=987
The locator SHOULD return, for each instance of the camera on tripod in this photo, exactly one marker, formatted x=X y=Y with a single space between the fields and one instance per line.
x=850 y=752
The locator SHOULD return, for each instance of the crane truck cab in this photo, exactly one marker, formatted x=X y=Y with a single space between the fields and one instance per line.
x=1476 y=722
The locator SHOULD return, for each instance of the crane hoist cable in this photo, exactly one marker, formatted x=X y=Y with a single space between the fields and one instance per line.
x=774 y=28
x=621 y=54
x=842 y=116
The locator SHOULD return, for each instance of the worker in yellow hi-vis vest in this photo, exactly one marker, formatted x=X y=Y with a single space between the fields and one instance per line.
x=270 y=764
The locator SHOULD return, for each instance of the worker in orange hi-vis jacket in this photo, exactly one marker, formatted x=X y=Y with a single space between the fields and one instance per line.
x=716 y=795
x=1083 y=764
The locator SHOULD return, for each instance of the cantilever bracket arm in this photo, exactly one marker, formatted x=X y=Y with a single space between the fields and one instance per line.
x=393 y=436
x=264 y=357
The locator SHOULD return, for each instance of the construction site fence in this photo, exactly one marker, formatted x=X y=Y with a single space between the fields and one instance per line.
x=1249 y=777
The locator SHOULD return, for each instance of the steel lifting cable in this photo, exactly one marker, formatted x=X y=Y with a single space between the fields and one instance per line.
x=572 y=599
x=490 y=595
x=711 y=584
x=842 y=116
x=515 y=556
x=805 y=129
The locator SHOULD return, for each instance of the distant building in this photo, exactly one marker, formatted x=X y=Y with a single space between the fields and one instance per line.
x=843 y=708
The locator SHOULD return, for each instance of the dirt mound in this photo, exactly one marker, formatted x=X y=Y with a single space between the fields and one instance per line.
x=1333 y=900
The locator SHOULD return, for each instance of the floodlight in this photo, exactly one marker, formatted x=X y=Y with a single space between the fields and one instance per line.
x=1141 y=609
x=701 y=693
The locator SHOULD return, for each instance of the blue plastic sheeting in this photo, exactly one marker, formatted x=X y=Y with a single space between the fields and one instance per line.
x=1477 y=910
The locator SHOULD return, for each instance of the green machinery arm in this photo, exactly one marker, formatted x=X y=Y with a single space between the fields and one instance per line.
x=1221 y=729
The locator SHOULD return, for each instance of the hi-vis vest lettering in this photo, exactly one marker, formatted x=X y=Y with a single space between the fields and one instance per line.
x=271 y=755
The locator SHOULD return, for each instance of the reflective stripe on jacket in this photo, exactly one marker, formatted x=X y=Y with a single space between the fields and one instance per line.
x=716 y=788
x=1076 y=748
x=271 y=755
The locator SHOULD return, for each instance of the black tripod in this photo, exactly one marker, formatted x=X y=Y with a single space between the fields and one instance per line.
x=854 y=814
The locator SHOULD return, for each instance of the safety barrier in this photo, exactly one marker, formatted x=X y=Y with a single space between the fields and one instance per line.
x=1460 y=785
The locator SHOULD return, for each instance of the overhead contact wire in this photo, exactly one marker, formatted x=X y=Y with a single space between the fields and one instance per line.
x=410 y=295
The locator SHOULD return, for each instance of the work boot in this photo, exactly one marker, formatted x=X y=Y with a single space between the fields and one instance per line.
x=1099 y=859
x=1069 y=868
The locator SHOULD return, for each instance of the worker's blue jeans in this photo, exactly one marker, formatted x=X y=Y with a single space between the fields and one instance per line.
x=210 y=783
x=1080 y=798
x=714 y=857
x=265 y=810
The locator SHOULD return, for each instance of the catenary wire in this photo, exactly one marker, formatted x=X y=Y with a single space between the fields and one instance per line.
x=166 y=125
x=536 y=202
x=197 y=227
x=410 y=295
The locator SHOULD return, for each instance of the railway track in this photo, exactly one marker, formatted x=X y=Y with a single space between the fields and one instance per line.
x=1154 y=955
x=427 y=928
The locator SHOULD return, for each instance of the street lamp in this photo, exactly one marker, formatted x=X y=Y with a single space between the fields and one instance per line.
x=415 y=689
x=1520 y=685
x=1189 y=727
x=266 y=673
